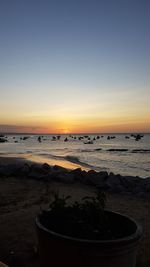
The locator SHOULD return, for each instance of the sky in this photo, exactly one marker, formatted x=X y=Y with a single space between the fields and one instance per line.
x=74 y=66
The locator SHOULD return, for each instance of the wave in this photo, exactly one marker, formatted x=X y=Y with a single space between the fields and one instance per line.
x=86 y=150
x=141 y=151
x=77 y=161
x=73 y=159
x=90 y=150
x=116 y=150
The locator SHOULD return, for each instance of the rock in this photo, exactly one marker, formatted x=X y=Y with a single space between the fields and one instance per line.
x=64 y=177
x=77 y=174
x=41 y=168
x=91 y=172
x=146 y=185
x=3 y=140
x=130 y=182
x=58 y=168
x=117 y=150
x=46 y=167
x=25 y=138
x=100 y=180
x=114 y=184
x=95 y=178
x=103 y=174
x=140 y=151
x=89 y=177
x=38 y=171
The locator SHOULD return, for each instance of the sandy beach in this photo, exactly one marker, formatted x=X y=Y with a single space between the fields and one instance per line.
x=22 y=198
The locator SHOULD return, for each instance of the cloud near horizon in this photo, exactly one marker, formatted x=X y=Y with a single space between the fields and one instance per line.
x=110 y=128
x=6 y=128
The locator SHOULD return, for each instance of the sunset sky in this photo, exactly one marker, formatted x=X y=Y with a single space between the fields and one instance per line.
x=71 y=66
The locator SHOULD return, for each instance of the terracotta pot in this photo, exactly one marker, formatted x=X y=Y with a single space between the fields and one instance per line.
x=59 y=250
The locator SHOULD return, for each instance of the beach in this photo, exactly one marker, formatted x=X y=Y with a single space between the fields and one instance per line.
x=23 y=194
x=118 y=153
x=75 y=119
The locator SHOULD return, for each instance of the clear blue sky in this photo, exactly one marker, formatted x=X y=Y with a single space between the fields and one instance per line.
x=76 y=65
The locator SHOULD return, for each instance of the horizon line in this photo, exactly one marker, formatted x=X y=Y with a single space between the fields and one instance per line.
x=82 y=133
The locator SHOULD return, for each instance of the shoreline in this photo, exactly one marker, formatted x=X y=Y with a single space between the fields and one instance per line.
x=37 y=159
x=26 y=187
x=70 y=164
x=118 y=154
x=107 y=181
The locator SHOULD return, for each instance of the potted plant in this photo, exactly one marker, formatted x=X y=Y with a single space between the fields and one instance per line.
x=85 y=234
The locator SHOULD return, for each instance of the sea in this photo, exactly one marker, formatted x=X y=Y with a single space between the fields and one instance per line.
x=118 y=153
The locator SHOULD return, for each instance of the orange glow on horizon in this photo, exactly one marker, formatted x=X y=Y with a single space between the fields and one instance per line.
x=100 y=128
x=80 y=124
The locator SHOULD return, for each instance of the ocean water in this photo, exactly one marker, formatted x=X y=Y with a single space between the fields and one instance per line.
x=76 y=152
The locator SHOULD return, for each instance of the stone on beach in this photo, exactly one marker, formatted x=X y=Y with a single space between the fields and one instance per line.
x=3 y=140
x=78 y=174
x=39 y=171
x=114 y=183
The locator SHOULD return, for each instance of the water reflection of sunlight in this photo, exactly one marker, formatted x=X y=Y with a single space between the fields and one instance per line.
x=59 y=162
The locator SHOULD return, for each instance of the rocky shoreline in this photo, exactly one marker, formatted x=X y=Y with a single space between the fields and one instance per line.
x=109 y=182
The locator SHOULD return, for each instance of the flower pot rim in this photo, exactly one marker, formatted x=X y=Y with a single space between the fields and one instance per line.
x=131 y=238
